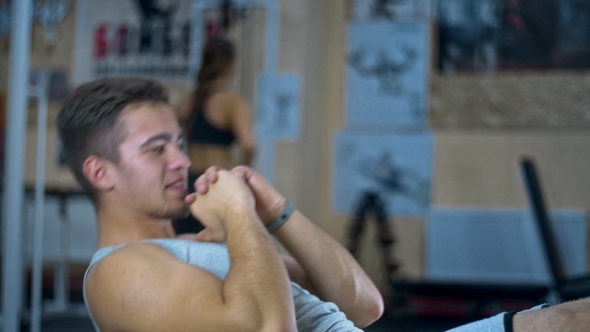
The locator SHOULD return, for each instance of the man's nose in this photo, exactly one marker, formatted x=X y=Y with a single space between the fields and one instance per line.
x=179 y=159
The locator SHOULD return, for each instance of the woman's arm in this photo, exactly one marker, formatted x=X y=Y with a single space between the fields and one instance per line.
x=241 y=124
x=183 y=110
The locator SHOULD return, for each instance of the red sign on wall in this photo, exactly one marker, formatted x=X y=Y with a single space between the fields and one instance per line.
x=133 y=38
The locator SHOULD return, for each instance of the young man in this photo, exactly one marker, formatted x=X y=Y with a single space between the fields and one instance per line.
x=124 y=145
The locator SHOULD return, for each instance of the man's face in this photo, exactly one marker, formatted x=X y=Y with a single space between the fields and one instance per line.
x=151 y=176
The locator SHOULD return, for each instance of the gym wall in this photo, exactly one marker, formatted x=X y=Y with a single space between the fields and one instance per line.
x=478 y=141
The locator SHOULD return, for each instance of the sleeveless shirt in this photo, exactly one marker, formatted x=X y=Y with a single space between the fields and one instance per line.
x=312 y=314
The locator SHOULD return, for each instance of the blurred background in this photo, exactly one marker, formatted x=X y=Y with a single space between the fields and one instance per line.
x=399 y=127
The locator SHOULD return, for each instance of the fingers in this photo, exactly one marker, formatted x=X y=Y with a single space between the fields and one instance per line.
x=243 y=172
x=212 y=176
x=201 y=187
x=190 y=199
x=211 y=173
x=206 y=179
x=253 y=179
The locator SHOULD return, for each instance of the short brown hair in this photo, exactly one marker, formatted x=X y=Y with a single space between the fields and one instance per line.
x=88 y=122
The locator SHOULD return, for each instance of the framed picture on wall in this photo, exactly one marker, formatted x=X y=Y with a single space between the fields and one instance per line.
x=490 y=35
x=387 y=74
x=148 y=39
x=396 y=167
x=4 y=19
x=391 y=9
x=2 y=126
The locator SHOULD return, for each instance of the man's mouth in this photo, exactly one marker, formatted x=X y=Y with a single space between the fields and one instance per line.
x=179 y=187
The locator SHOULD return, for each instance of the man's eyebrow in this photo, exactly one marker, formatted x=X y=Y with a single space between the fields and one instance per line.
x=161 y=137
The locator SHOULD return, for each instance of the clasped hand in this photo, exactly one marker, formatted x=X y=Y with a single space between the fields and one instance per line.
x=223 y=196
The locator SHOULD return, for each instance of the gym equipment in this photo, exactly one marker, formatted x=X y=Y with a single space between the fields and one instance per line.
x=482 y=295
x=371 y=203
x=563 y=288
x=12 y=265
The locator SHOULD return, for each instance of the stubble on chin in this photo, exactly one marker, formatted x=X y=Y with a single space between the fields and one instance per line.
x=178 y=212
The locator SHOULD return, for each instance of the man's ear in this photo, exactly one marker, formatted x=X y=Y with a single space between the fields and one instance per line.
x=98 y=172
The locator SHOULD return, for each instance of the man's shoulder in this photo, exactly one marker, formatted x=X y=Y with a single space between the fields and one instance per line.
x=140 y=252
x=144 y=257
x=130 y=259
x=139 y=283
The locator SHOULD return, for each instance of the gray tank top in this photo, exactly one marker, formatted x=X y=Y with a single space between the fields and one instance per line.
x=312 y=314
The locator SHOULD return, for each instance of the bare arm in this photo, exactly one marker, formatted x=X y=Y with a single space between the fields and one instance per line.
x=183 y=110
x=241 y=124
x=142 y=287
x=333 y=273
x=297 y=274
x=294 y=270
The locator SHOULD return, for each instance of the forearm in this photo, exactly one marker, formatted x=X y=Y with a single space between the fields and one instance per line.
x=333 y=272
x=257 y=283
x=571 y=316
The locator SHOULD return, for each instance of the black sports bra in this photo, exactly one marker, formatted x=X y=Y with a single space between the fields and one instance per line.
x=201 y=131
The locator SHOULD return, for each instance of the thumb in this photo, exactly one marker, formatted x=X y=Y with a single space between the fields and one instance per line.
x=207 y=235
x=190 y=199
x=242 y=172
x=252 y=178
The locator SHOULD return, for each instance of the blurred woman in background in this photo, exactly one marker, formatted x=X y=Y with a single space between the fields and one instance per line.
x=214 y=119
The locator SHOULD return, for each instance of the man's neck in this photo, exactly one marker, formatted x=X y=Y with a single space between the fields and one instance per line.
x=121 y=228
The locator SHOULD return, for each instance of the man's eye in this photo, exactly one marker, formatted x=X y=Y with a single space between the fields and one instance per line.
x=158 y=149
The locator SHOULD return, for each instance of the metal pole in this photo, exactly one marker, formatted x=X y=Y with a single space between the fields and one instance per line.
x=266 y=147
x=40 y=94
x=271 y=59
x=14 y=161
x=196 y=36
x=62 y=270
